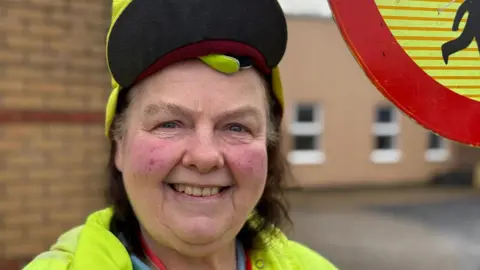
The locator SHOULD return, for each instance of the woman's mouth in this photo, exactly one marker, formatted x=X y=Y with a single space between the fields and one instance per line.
x=196 y=191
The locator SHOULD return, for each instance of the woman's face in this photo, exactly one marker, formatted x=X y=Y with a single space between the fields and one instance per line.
x=193 y=155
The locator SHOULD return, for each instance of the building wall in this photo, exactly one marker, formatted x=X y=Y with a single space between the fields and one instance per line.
x=319 y=68
x=54 y=84
x=53 y=87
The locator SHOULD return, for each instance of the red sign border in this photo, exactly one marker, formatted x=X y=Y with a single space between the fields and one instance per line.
x=400 y=79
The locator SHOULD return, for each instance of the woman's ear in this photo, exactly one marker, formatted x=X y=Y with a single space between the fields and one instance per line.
x=119 y=145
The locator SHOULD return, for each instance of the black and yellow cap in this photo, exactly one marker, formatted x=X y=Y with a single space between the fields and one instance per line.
x=148 y=35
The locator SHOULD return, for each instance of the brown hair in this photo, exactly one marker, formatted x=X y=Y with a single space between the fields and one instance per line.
x=271 y=209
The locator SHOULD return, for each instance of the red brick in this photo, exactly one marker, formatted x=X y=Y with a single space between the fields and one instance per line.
x=10 y=175
x=89 y=8
x=59 y=74
x=43 y=59
x=48 y=173
x=79 y=173
x=25 y=160
x=53 y=71
x=49 y=30
x=45 y=204
x=66 y=187
x=13 y=234
x=90 y=63
x=11 y=206
x=11 y=57
x=22 y=101
x=24 y=190
x=25 y=42
x=49 y=3
x=10 y=146
x=96 y=132
x=11 y=86
x=23 y=72
x=62 y=17
x=64 y=103
x=21 y=132
x=19 y=219
x=47 y=145
x=99 y=159
x=24 y=248
x=49 y=88
x=45 y=232
x=27 y=13
x=66 y=131
x=66 y=217
x=12 y=24
x=95 y=203
x=67 y=46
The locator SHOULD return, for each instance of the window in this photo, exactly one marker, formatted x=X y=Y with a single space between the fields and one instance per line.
x=385 y=130
x=385 y=114
x=384 y=142
x=304 y=142
x=434 y=141
x=305 y=114
x=436 y=148
x=306 y=130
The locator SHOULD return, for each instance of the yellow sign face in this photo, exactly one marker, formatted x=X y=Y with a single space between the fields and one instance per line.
x=441 y=37
x=423 y=56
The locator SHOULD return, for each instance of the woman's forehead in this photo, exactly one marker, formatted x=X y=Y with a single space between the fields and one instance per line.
x=194 y=81
x=197 y=71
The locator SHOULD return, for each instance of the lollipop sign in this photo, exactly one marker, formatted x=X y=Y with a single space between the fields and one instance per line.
x=423 y=55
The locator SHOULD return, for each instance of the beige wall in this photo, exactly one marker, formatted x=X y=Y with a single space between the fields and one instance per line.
x=318 y=67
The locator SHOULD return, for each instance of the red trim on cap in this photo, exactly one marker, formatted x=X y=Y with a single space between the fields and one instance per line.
x=204 y=48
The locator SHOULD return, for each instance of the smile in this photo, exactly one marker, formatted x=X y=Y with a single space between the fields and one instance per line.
x=195 y=191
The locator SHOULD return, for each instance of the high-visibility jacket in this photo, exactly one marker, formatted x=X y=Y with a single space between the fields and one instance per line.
x=92 y=246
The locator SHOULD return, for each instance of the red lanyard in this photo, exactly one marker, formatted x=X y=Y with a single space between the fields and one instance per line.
x=248 y=263
x=157 y=263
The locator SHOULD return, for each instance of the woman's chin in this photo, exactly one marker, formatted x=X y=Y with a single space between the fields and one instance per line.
x=199 y=231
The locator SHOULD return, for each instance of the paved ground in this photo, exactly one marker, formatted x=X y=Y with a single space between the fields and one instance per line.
x=408 y=229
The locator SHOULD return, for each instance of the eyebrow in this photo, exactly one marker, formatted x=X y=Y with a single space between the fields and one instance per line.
x=152 y=110
x=242 y=111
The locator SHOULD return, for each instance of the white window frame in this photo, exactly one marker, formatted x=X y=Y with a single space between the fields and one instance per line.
x=440 y=154
x=311 y=8
x=387 y=156
x=315 y=128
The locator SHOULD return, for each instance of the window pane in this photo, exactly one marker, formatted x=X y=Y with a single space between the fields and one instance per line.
x=434 y=141
x=305 y=113
x=385 y=114
x=384 y=142
x=304 y=142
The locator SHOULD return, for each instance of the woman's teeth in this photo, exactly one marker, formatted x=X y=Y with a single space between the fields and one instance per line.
x=196 y=191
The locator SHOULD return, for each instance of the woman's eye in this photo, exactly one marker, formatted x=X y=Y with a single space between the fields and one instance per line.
x=169 y=125
x=237 y=128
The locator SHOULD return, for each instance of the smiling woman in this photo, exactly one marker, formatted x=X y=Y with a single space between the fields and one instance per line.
x=196 y=171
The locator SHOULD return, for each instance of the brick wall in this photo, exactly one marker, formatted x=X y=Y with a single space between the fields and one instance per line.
x=53 y=88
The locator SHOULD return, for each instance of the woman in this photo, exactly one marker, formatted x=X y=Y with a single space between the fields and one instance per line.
x=195 y=165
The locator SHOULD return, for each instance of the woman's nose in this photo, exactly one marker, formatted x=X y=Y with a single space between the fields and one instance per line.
x=203 y=154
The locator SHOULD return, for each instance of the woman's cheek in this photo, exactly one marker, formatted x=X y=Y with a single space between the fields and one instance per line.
x=249 y=161
x=153 y=155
